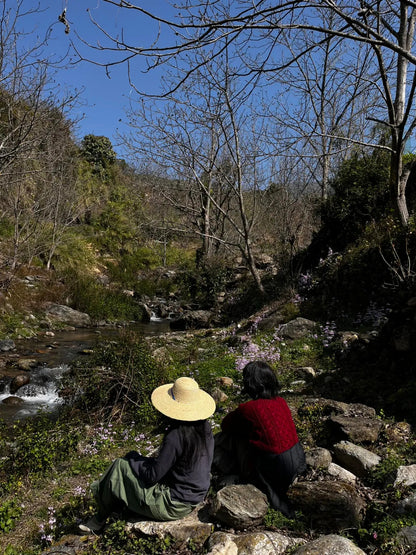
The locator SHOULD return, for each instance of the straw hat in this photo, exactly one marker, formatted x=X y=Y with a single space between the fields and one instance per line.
x=183 y=400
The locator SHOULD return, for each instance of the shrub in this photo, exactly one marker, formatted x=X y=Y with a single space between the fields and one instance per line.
x=9 y=513
x=117 y=380
x=40 y=444
x=101 y=303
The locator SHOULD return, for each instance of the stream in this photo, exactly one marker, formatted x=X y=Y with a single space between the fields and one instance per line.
x=53 y=356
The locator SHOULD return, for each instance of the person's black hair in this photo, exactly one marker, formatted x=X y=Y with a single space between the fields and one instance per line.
x=260 y=381
x=194 y=438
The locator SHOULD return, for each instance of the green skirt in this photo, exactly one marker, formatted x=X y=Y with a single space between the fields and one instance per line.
x=119 y=489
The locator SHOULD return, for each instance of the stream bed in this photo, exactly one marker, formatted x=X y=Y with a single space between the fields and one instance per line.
x=52 y=357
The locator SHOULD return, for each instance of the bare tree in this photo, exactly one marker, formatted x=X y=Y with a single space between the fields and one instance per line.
x=23 y=81
x=330 y=100
x=35 y=138
x=260 y=31
x=207 y=141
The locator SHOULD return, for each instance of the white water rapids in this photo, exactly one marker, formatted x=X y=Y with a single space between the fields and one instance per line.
x=53 y=356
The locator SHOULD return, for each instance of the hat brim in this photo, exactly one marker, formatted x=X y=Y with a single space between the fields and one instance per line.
x=199 y=409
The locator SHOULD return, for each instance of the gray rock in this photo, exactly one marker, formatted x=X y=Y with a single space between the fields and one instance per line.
x=256 y=543
x=239 y=506
x=192 y=319
x=407 y=536
x=406 y=505
x=189 y=527
x=330 y=545
x=330 y=505
x=406 y=476
x=340 y=473
x=7 y=345
x=354 y=458
x=297 y=328
x=356 y=428
x=67 y=315
x=318 y=457
x=271 y=321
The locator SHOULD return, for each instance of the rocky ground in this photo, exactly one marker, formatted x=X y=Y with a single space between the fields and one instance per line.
x=358 y=494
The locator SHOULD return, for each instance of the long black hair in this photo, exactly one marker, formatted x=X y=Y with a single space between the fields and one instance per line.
x=260 y=381
x=194 y=438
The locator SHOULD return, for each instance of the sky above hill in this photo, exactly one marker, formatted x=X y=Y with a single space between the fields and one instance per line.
x=103 y=97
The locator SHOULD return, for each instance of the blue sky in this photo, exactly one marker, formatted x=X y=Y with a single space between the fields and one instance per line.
x=104 y=99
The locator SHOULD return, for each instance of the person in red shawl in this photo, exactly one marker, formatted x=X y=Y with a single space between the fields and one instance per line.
x=259 y=440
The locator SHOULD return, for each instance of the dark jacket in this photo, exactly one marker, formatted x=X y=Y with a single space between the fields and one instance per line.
x=188 y=480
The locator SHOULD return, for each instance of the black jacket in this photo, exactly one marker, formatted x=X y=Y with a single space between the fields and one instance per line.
x=188 y=481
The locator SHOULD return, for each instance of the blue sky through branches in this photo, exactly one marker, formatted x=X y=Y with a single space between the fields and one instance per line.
x=103 y=96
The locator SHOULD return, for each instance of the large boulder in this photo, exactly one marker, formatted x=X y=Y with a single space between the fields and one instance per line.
x=297 y=328
x=355 y=458
x=356 y=428
x=192 y=319
x=239 y=506
x=330 y=505
x=66 y=315
x=187 y=528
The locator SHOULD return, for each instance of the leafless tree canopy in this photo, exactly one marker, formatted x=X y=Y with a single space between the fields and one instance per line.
x=365 y=47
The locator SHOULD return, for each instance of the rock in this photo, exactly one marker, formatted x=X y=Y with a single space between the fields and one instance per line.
x=357 y=428
x=271 y=321
x=359 y=410
x=341 y=474
x=218 y=395
x=189 y=527
x=354 y=458
x=26 y=363
x=256 y=543
x=224 y=380
x=347 y=337
x=192 y=319
x=330 y=505
x=406 y=476
x=406 y=505
x=318 y=457
x=297 y=328
x=263 y=261
x=67 y=315
x=223 y=545
x=7 y=345
x=13 y=401
x=330 y=545
x=407 y=537
x=19 y=381
x=398 y=432
x=162 y=355
x=306 y=372
x=239 y=506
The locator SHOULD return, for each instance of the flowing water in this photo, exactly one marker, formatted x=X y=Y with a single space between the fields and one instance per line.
x=53 y=356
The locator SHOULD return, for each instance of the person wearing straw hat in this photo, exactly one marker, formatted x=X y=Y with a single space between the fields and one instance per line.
x=170 y=485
